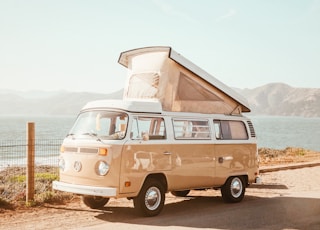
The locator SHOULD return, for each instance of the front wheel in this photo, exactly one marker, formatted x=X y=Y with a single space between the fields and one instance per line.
x=95 y=202
x=233 y=190
x=150 y=200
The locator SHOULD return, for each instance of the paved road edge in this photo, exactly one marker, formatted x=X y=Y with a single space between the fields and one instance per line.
x=265 y=169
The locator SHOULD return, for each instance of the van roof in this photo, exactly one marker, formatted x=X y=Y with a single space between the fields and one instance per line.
x=145 y=106
x=148 y=106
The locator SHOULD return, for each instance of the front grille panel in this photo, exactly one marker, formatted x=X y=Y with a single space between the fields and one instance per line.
x=81 y=150
x=89 y=150
x=71 y=149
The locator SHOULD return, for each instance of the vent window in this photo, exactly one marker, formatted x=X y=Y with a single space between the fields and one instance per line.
x=252 y=132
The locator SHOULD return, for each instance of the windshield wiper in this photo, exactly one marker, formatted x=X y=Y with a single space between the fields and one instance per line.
x=90 y=134
x=93 y=135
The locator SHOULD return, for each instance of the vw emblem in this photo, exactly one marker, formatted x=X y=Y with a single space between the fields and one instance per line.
x=77 y=166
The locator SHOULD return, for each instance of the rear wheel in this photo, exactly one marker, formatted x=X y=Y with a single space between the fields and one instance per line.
x=183 y=193
x=150 y=200
x=233 y=190
x=95 y=201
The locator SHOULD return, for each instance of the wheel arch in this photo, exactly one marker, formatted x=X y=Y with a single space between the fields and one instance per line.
x=244 y=177
x=159 y=177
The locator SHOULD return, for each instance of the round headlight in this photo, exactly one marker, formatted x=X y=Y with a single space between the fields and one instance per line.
x=102 y=168
x=62 y=164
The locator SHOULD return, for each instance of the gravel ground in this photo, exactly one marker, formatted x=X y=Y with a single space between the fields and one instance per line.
x=302 y=182
x=119 y=213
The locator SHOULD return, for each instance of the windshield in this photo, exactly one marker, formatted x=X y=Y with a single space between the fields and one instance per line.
x=101 y=124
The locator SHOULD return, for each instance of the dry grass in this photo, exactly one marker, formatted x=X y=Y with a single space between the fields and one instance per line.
x=13 y=188
x=288 y=155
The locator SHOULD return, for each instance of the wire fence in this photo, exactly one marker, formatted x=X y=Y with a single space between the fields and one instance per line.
x=13 y=162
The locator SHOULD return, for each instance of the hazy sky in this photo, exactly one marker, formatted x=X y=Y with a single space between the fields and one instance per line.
x=75 y=45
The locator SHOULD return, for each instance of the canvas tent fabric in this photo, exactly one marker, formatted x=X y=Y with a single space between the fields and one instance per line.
x=160 y=73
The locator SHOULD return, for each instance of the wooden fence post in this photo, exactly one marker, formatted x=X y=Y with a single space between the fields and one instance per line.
x=30 y=161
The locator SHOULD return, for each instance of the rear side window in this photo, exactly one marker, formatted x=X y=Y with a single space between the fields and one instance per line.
x=230 y=130
x=191 y=129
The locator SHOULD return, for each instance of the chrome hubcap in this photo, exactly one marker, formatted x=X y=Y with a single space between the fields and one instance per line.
x=152 y=198
x=236 y=187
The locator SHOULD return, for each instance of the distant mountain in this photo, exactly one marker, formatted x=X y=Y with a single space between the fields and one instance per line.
x=271 y=99
x=48 y=103
x=283 y=100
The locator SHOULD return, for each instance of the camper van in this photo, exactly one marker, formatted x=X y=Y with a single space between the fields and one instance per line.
x=176 y=129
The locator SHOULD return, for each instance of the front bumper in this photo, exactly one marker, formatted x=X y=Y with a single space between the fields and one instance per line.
x=84 y=189
x=258 y=180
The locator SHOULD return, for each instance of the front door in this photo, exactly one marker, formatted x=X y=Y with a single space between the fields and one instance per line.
x=146 y=151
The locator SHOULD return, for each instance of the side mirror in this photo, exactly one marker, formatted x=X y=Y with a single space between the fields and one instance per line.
x=145 y=136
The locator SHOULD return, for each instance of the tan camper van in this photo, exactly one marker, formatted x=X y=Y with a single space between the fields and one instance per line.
x=145 y=145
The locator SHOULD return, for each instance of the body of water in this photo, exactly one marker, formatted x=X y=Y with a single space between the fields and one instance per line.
x=50 y=132
x=46 y=127
x=272 y=132
x=281 y=132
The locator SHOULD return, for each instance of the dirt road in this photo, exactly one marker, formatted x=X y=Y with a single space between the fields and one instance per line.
x=288 y=199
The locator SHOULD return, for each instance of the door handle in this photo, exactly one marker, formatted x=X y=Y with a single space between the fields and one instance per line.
x=166 y=153
x=227 y=158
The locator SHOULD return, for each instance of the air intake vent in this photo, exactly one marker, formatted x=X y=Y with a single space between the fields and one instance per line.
x=81 y=150
x=89 y=150
x=70 y=149
x=252 y=132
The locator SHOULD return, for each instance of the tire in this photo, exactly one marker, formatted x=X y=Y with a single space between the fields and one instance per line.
x=182 y=193
x=95 y=202
x=233 y=190
x=150 y=200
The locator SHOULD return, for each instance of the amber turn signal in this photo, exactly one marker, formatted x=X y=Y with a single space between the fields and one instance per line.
x=103 y=152
x=127 y=184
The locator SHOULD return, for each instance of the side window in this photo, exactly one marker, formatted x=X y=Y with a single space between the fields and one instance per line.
x=238 y=130
x=191 y=129
x=154 y=127
x=182 y=129
x=230 y=130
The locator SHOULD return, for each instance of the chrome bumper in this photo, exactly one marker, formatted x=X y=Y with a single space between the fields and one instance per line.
x=258 y=180
x=84 y=189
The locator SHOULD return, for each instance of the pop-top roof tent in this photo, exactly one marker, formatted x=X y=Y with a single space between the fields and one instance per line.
x=160 y=73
